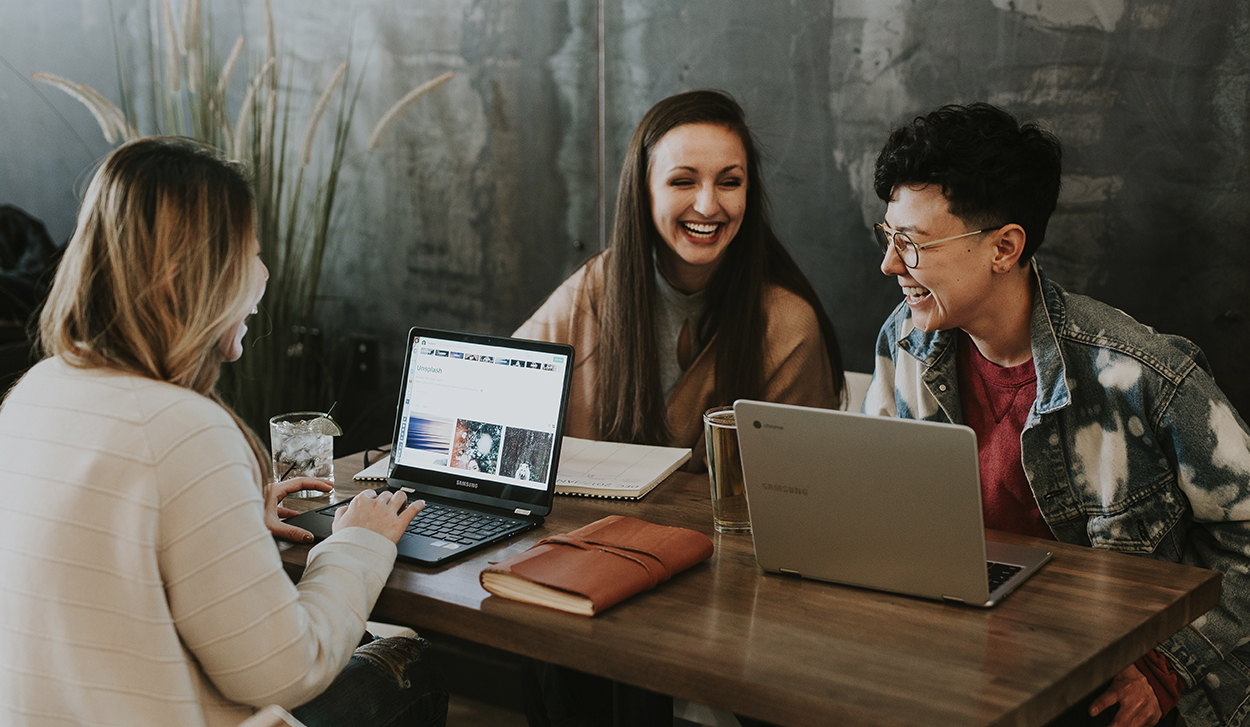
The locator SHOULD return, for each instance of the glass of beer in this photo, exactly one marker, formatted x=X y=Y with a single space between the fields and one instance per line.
x=724 y=470
x=301 y=448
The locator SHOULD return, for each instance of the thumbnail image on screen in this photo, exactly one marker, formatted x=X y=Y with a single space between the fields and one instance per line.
x=526 y=454
x=431 y=438
x=477 y=446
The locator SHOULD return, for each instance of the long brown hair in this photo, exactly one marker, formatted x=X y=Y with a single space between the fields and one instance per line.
x=158 y=269
x=629 y=401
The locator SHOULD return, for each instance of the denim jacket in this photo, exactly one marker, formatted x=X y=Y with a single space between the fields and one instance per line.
x=1129 y=446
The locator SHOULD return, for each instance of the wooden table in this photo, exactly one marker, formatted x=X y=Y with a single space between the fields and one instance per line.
x=801 y=652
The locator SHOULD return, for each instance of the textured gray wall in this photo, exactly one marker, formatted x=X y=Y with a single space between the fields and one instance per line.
x=487 y=192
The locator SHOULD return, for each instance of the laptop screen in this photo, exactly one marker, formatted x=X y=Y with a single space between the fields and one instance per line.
x=481 y=416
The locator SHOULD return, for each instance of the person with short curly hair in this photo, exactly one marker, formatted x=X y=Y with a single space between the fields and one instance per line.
x=1091 y=427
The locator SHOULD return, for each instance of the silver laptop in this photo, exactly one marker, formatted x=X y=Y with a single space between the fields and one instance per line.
x=882 y=503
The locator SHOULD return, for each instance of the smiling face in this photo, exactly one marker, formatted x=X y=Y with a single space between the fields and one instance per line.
x=698 y=184
x=231 y=342
x=952 y=284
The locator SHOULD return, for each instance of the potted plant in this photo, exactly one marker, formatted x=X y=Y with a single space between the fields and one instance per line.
x=285 y=368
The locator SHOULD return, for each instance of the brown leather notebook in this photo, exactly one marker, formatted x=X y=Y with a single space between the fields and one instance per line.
x=597 y=566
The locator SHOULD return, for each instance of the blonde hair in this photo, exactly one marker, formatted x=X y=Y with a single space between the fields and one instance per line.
x=158 y=270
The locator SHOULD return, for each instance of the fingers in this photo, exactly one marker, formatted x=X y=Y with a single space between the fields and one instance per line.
x=292 y=533
x=405 y=510
x=383 y=512
x=398 y=502
x=395 y=500
x=295 y=484
x=1104 y=700
x=408 y=513
x=1140 y=717
x=286 y=512
x=1138 y=705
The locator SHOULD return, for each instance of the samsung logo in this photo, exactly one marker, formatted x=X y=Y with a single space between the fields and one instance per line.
x=472 y=485
x=787 y=489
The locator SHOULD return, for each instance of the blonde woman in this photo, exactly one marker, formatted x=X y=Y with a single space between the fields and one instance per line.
x=142 y=584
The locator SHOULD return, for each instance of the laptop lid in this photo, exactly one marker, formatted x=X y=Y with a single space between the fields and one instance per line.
x=480 y=419
x=879 y=502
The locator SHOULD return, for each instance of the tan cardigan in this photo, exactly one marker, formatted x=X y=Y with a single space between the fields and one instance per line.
x=796 y=364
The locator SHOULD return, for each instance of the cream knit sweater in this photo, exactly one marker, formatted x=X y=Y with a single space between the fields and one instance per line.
x=138 y=583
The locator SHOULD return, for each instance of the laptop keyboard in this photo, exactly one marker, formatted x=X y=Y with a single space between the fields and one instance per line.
x=453 y=525
x=1000 y=573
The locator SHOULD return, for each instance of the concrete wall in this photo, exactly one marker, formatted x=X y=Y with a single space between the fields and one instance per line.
x=487 y=193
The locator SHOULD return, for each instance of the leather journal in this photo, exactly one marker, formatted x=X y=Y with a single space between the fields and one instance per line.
x=598 y=565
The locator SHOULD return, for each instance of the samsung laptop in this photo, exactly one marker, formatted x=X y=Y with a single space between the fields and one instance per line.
x=477 y=436
x=878 y=502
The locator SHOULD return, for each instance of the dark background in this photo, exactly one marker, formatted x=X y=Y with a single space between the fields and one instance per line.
x=491 y=190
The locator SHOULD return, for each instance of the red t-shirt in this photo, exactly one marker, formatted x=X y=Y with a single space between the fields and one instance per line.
x=996 y=403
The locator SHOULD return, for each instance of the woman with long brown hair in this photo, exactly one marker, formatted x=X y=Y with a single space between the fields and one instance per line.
x=142 y=583
x=695 y=303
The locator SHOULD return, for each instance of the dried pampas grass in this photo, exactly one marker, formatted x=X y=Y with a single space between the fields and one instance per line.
x=227 y=69
x=266 y=133
x=294 y=204
x=384 y=124
x=242 y=130
x=194 y=45
x=271 y=42
x=319 y=110
x=173 y=59
x=110 y=118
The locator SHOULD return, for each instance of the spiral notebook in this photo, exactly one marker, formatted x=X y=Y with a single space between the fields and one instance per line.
x=593 y=469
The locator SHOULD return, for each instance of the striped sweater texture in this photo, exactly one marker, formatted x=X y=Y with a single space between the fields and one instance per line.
x=138 y=582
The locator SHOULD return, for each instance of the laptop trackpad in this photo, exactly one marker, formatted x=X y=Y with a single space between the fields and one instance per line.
x=318 y=522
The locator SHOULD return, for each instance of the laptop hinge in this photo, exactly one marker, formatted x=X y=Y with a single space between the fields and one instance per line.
x=789 y=572
x=954 y=599
x=521 y=511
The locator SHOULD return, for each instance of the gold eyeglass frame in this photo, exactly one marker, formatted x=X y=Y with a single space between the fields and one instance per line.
x=887 y=237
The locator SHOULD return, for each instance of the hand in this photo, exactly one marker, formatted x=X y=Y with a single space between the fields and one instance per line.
x=1138 y=705
x=382 y=512
x=274 y=512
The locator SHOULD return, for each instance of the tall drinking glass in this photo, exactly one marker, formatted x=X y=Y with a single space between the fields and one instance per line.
x=299 y=450
x=724 y=470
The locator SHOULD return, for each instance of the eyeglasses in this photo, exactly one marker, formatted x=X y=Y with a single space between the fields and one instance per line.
x=908 y=251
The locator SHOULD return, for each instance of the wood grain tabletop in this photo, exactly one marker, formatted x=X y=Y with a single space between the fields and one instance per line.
x=797 y=652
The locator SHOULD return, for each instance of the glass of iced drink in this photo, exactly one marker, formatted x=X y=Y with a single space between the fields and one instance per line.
x=303 y=446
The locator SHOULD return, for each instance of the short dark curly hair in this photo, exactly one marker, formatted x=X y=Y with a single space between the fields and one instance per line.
x=992 y=169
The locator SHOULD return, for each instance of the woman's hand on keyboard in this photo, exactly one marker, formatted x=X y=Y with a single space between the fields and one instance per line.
x=382 y=512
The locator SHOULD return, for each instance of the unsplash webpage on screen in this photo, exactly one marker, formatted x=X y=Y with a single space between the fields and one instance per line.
x=487 y=410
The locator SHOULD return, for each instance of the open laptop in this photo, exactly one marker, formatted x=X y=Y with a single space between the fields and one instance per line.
x=878 y=502
x=477 y=436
